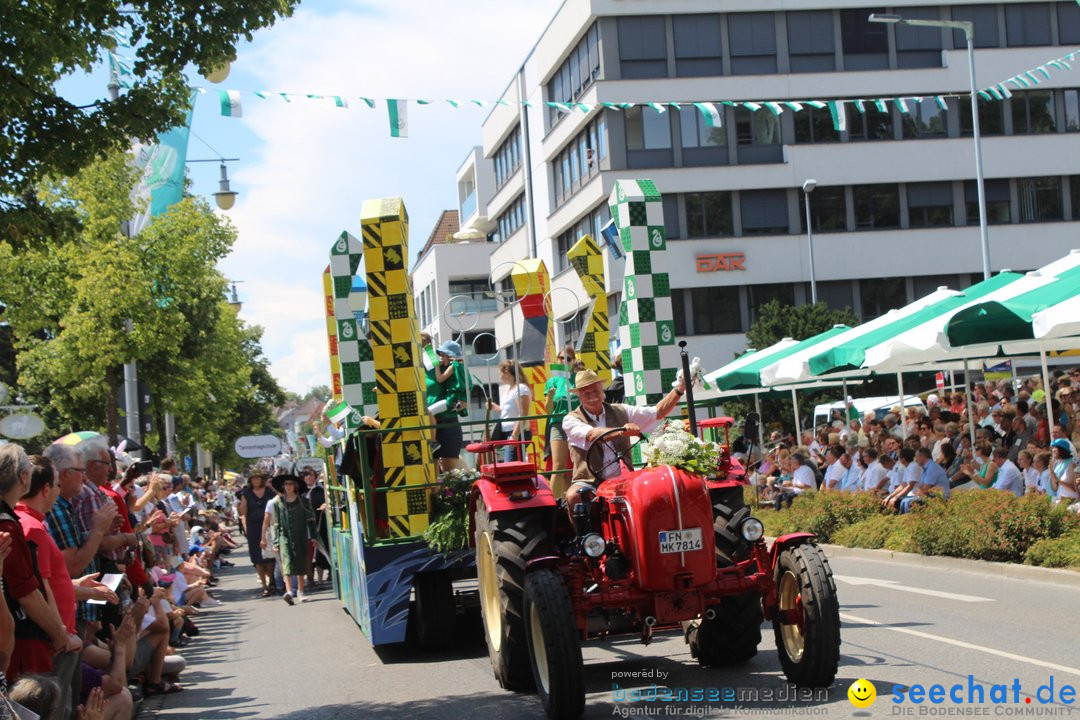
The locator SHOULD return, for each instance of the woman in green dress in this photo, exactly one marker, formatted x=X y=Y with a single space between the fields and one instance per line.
x=294 y=526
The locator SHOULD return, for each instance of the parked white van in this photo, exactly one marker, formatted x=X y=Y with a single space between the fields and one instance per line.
x=880 y=406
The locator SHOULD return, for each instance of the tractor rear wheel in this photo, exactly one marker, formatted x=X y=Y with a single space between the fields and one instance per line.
x=732 y=636
x=554 y=647
x=504 y=543
x=807 y=625
x=436 y=615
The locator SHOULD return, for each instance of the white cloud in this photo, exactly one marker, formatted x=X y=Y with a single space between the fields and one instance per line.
x=312 y=165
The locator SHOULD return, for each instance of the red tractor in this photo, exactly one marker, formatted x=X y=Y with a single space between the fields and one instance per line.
x=639 y=558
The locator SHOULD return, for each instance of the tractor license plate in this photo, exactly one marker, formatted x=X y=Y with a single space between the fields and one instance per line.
x=673 y=541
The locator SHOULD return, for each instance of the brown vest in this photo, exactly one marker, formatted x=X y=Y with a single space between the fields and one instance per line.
x=614 y=416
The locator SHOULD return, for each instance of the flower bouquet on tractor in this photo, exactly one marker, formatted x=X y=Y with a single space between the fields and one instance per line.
x=668 y=546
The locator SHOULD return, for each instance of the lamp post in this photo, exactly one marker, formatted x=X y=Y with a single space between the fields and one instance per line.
x=225 y=197
x=968 y=28
x=807 y=188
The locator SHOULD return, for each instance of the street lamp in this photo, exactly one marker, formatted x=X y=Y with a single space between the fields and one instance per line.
x=807 y=188
x=968 y=29
x=225 y=197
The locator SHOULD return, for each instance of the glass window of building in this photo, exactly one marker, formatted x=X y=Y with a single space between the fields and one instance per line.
x=472 y=296
x=698 y=51
x=877 y=206
x=508 y=158
x=919 y=47
x=985 y=21
x=865 y=44
x=870 y=123
x=991 y=117
x=815 y=125
x=998 y=202
x=923 y=285
x=702 y=144
x=930 y=204
x=1027 y=24
x=880 y=295
x=671 y=217
x=760 y=295
x=647 y=129
x=511 y=220
x=828 y=209
x=580 y=160
x=764 y=212
x=576 y=74
x=758 y=135
x=752 y=40
x=1040 y=199
x=709 y=215
x=706 y=311
x=1033 y=112
x=642 y=47
x=1074 y=195
x=1068 y=23
x=836 y=294
x=1072 y=109
x=925 y=119
x=811 y=41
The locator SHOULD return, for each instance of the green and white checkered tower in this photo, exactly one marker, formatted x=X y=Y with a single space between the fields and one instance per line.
x=646 y=325
x=354 y=351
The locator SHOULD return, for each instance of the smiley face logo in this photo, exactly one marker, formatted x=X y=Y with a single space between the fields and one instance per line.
x=862 y=693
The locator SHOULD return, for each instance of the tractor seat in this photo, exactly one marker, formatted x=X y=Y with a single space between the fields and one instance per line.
x=509 y=471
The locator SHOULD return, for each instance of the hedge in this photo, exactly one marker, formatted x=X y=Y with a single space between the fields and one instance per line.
x=982 y=525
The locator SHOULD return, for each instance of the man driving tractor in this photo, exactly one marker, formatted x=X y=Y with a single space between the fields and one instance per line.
x=594 y=417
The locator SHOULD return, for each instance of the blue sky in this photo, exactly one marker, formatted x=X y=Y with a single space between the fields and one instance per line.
x=306 y=166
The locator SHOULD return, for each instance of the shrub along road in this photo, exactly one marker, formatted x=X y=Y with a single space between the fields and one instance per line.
x=903 y=624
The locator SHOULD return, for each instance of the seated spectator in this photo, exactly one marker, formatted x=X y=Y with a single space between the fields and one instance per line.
x=1063 y=472
x=982 y=472
x=1008 y=477
x=802 y=481
x=909 y=479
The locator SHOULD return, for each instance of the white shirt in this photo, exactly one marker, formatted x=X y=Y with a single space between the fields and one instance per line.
x=1009 y=479
x=577 y=431
x=802 y=480
x=912 y=474
x=508 y=407
x=873 y=476
x=834 y=475
x=333 y=436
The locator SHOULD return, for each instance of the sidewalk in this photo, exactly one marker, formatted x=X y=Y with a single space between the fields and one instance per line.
x=259 y=658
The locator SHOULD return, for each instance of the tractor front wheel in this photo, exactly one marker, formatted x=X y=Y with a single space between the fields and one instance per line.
x=807 y=624
x=554 y=647
x=504 y=543
x=731 y=636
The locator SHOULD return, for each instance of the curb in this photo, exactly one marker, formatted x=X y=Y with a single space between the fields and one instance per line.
x=1012 y=571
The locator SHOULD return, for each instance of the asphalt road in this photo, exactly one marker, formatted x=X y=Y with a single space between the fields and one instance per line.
x=903 y=625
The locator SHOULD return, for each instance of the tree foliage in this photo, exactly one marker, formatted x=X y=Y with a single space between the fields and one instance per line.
x=43 y=133
x=82 y=304
x=777 y=321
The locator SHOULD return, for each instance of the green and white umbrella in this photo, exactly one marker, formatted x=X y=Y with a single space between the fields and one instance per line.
x=795 y=367
x=1058 y=321
x=1009 y=322
x=744 y=373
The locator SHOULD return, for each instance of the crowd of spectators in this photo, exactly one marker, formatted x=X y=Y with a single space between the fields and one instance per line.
x=1025 y=442
x=104 y=563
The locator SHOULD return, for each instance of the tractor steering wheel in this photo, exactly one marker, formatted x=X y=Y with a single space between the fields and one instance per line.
x=594 y=459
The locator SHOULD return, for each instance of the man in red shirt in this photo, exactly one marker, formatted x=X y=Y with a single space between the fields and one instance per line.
x=39 y=631
x=135 y=571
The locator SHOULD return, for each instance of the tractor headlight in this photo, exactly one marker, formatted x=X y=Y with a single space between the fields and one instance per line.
x=593 y=545
x=751 y=529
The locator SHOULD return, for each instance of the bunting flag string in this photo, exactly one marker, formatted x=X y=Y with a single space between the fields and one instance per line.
x=711 y=112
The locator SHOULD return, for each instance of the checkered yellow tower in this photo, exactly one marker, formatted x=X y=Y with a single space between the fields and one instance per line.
x=593 y=349
x=532 y=285
x=399 y=369
x=331 y=334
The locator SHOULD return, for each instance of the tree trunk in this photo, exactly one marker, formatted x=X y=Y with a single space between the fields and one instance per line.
x=159 y=423
x=111 y=414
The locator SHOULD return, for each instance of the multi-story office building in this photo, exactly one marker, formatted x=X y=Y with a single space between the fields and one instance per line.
x=894 y=213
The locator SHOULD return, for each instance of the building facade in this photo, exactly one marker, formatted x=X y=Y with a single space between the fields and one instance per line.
x=894 y=210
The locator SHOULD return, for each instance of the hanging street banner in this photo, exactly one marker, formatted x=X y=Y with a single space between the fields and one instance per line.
x=162 y=165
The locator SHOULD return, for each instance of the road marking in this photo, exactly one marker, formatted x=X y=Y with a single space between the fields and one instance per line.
x=962 y=644
x=896 y=585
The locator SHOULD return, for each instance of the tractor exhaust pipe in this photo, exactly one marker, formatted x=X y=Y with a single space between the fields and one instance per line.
x=710 y=614
x=688 y=383
x=650 y=621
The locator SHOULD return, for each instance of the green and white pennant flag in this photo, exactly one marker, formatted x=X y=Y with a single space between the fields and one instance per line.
x=839 y=116
x=713 y=116
x=430 y=358
x=230 y=103
x=337 y=413
x=397 y=111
